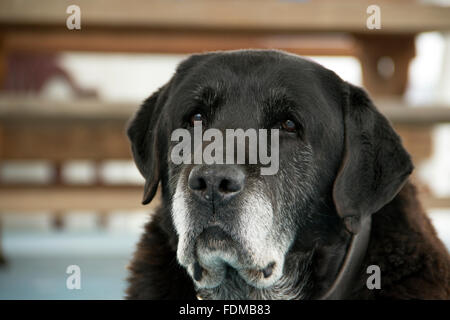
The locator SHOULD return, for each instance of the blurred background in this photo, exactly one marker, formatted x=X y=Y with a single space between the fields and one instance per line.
x=69 y=191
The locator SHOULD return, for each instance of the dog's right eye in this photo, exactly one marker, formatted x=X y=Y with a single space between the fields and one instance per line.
x=289 y=126
x=196 y=117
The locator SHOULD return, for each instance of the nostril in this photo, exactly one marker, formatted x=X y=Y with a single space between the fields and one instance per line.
x=215 y=183
x=228 y=186
x=198 y=184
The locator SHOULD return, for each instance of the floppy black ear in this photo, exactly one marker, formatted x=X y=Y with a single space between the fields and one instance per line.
x=375 y=165
x=143 y=136
x=145 y=126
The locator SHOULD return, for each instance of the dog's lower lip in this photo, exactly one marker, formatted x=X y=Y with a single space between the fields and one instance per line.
x=198 y=271
x=267 y=271
x=215 y=233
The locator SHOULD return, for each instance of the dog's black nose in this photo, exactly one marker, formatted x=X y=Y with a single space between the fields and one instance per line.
x=216 y=183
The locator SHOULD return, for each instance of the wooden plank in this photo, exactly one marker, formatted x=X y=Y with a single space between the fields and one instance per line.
x=59 y=199
x=325 y=15
x=2 y=145
x=34 y=107
x=175 y=42
x=429 y=202
x=63 y=140
x=399 y=113
x=3 y=63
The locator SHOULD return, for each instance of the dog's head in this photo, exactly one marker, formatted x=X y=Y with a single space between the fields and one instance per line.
x=338 y=161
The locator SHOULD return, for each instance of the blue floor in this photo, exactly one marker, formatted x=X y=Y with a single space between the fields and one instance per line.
x=37 y=263
x=34 y=278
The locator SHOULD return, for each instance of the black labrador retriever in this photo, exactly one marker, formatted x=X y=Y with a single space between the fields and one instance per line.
x=338 y=220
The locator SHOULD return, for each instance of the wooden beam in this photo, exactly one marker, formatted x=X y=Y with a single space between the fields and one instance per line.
x=34 y=107
x=62 y=199
x=3 y=62
x=426 y=115
x=174 y=42
x=324 y=15
x=430 y=202
x=62 y=140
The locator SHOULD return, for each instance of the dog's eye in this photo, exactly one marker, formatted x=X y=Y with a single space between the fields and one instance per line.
x=288 y=125
x=196 y=117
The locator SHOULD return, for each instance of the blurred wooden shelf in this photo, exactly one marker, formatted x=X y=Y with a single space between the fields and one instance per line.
x=34 y=107
x=424 y=115
x=274 y=15
x=69 y=198
x=430 y=202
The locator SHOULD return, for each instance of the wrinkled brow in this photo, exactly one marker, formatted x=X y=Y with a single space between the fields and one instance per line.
x=278 y=100
x=210 y=95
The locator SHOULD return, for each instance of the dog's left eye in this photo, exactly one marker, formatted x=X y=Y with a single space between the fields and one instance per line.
x=288 y=125
x=196 y=117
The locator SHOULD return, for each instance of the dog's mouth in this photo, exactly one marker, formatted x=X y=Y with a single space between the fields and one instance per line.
x=219 y=257
x=215 y=237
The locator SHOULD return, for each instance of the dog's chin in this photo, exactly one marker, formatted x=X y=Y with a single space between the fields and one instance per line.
x=215 y=277
x=219 y=258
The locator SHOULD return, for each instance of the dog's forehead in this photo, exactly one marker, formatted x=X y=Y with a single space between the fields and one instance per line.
x=255 y=75
x=253 y=66
x=243 y=82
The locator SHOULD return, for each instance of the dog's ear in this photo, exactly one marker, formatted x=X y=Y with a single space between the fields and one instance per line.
x=375 y=165
x=145 y=127
x=143 y=134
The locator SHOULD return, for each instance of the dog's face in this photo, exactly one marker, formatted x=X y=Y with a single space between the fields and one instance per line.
x=251 y=227
x=231 y=218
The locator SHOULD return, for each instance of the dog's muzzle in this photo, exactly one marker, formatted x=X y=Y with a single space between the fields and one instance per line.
x=226 y=223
